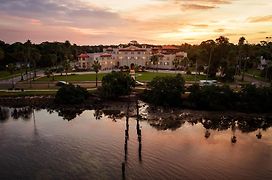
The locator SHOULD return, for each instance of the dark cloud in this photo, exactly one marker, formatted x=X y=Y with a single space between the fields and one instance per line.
x=61 y=12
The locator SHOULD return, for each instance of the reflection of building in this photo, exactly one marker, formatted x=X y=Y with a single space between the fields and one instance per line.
x=132 y=54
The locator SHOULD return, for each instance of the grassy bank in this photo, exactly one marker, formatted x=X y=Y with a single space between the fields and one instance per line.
x=30 y=93
x=26 y=93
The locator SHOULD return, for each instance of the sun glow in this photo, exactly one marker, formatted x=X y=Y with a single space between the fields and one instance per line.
x=186 y=33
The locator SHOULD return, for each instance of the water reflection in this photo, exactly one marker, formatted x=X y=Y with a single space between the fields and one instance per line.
x=24 y=113
x=159 y=118
x=165 y=144
x=98 y=113
x=126 y=143
x=4 y=114
x=69 y=113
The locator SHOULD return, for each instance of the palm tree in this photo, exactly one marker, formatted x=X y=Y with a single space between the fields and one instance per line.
x=48 y=73
x=176 y=62
x=154 y=59
x=66 y=67
x=53 y=59
x=36 y=56
x=96 y=67
x=11 y=69
x=186 y=62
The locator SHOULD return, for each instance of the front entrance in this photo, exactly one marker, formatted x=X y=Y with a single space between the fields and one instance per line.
x=132 y=66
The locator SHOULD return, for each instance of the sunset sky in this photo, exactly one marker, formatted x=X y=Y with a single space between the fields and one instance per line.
x=92 y=22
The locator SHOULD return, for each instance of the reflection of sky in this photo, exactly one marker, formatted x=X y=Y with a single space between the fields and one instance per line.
x=95 y=149
x=148 y=21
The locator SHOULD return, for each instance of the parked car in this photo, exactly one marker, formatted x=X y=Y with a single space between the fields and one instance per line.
x=62 y=83
x=207 y=82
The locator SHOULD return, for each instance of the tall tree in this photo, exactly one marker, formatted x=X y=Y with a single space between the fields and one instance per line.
x=208 y=48
x=53 y=60
x=11 y=69
x=96 y=67
x=176 y=62
x=154 y=59
x=66 y=67
x=35 y=57
x=48 y=73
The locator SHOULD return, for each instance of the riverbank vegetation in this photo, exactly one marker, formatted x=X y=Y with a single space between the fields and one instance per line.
x=116 y=84
x=167 y=91
x=71 y=94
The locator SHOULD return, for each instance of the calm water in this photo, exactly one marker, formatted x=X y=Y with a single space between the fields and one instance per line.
x=95 y=144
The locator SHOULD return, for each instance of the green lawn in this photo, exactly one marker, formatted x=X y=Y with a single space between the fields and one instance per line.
x=148 y=76
x=7 y=75
x=141 y=76
x=76 y=77
x=254 y=72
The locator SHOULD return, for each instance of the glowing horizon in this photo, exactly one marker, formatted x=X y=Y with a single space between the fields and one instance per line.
x=93 y=22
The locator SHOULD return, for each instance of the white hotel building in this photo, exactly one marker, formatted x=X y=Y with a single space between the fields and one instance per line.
x=112 y=58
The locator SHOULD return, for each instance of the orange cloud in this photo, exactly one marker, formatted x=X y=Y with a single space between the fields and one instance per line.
x=261 y=19
x=197 y=7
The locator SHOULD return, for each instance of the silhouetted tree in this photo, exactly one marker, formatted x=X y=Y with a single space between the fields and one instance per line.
x=96 y=67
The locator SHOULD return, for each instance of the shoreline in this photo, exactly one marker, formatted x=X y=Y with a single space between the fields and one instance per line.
x=94 y=102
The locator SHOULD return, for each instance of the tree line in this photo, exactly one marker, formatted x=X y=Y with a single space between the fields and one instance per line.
x=216 y=55
x=45 y=54
x=228 y=58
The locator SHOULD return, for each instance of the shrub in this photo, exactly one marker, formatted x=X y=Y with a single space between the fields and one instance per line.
x=229 y=74
x=116 y=84
x=188 y=72
x=212 y=97
x=70 y=94
x=256 y=99
x=165 y=91
x=267 y=72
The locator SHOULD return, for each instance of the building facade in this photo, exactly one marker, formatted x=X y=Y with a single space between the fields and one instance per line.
x=132 y=55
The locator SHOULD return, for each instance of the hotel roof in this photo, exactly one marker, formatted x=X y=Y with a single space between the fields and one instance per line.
x=132 y=48
x=83 y=56
x=168 y=47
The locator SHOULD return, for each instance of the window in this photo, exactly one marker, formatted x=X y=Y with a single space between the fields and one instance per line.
x=132 y=52
x=139 y=52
